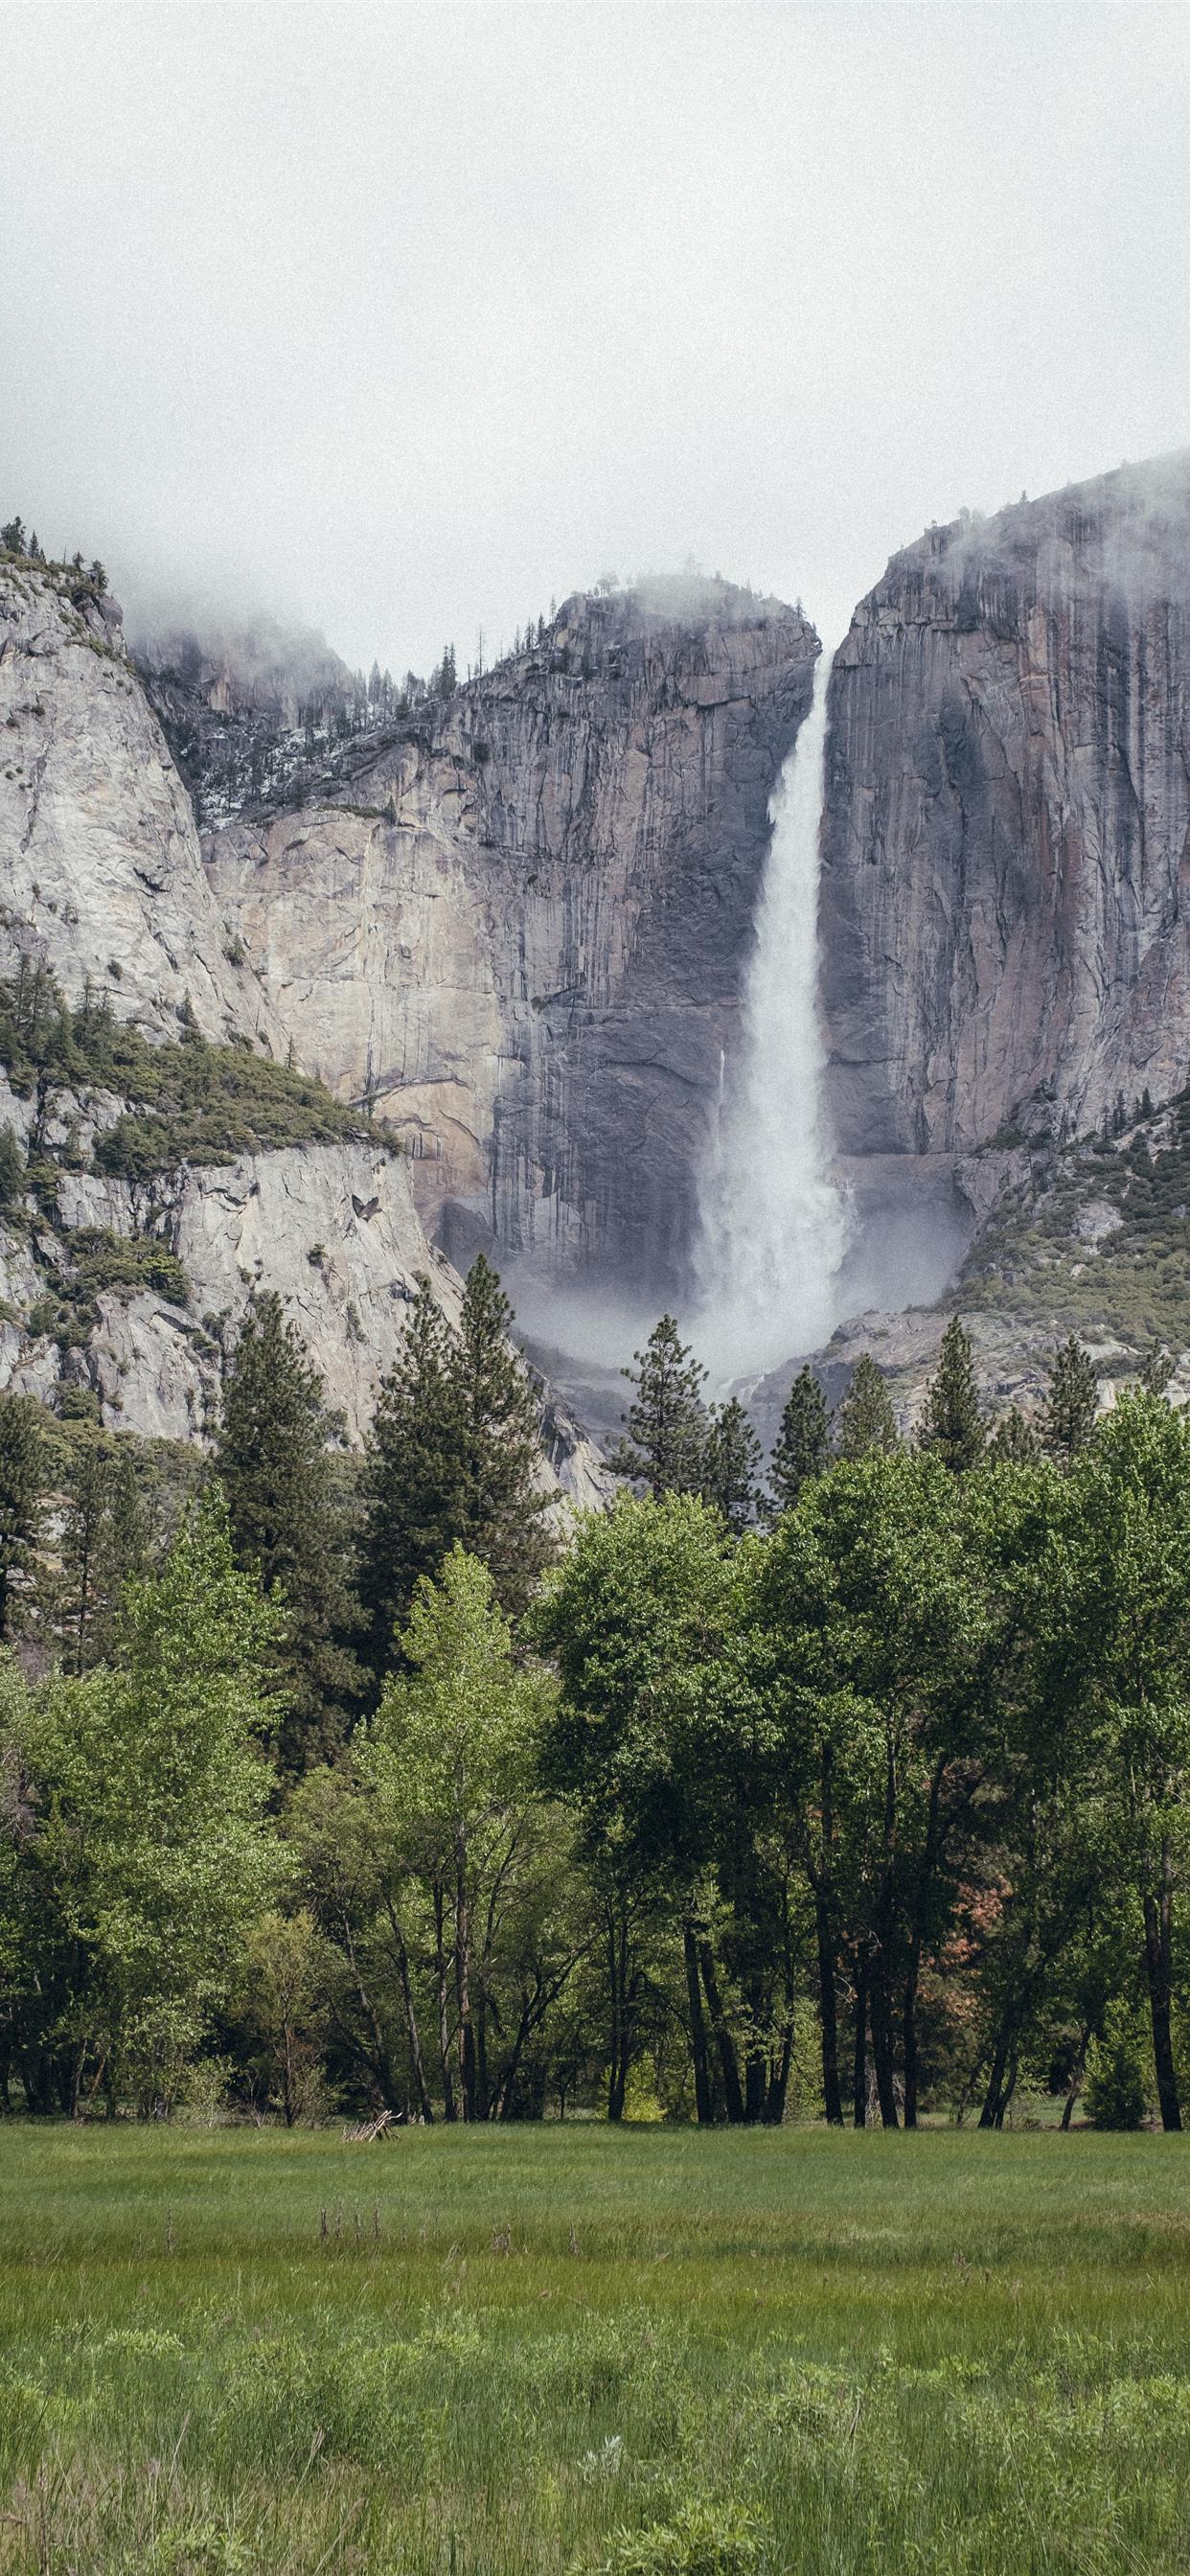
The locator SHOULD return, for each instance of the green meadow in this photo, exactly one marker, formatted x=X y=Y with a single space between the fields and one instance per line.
x=556 y=2348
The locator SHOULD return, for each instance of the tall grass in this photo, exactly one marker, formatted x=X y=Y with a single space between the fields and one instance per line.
x=545 y=2349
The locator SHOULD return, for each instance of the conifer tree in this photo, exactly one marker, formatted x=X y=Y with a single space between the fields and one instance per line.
x=1015 y=1438
x=414 y=1476
x=953 y=1425
x=803 y=1447
x=866 y=1418
x=730 y=1464
x=1071 y=1404
x=666 y=1422
x=1157 y=1369
x=104 y=1541
x=453 y=1458
x=23 y=1483
x=286 y=1520
x=504 y=1508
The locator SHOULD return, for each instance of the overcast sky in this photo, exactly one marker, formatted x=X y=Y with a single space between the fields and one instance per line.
x=402 y=320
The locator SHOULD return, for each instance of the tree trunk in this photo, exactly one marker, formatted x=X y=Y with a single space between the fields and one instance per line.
x=617 y=1961
x=448 y=2090
x=723 y=2038
x=828 y=2010
x=882 y=2051
x=1159 y=1968
x=774 y=2109
x=859 y=2078
x=909 y=2033
x=463 y=1980
x=1075 y=2086
x=698 y=2034
x=412 y=2033
x=992 y=2113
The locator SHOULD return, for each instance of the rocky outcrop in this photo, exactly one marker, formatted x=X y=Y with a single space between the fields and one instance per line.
x=252 y=713
x=1006 y=863
x=331 y=1228
x=520 y=927
x=102 y=876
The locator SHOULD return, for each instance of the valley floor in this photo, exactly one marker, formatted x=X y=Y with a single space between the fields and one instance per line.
x=496 y=2352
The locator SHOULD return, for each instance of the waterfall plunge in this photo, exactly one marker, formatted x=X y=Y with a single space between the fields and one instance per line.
x=773 y=1221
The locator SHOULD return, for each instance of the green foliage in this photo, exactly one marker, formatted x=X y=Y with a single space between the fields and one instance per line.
x=953 y=1423
x=132 y=1262
x=436 y=1871
x=1071 y=1404
x=1135 y=1282
x=12 y=1170
x=453 y=1457
x=701 y=2540
x=730 y=1465
x=104 y=1541
x=666 y=1422
x=866 y=1418
x=803 y=1448
x=941 y=2355
x=1015 y=1440
x=191 y=1102
x=1117 y=2091
x=273 y=1461
x=24 y=1478
x=145 y=1855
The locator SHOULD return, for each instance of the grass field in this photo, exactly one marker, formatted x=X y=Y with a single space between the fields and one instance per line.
x=545 y=2349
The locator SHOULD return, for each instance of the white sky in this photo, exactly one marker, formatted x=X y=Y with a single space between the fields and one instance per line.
x=403 y=319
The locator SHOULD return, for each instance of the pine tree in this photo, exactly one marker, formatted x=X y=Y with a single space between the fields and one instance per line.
x=1157 y=1369
x=666 y=1423
x=1071 y=1404
x=730 y=1464
x=23 y=1481
x=104 y=1541
x=453 y=1457
x=866 y=1418
x=414 y=1476
x=803 y=1447
x=1015 y=1438
x=953 y=1425
x=504 y=1507
x=287 y=1523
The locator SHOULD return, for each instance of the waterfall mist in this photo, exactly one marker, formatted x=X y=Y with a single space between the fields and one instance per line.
x=774 y=1222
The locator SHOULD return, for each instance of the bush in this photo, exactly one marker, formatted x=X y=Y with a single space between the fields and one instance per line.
x=702 y=2540
x=127 y=1261
x=189 y=1102
x=1117 y=2094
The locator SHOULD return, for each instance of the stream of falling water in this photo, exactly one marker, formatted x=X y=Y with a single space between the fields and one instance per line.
x=773 y=1220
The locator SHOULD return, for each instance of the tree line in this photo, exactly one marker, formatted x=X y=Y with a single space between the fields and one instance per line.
x=858 y=1785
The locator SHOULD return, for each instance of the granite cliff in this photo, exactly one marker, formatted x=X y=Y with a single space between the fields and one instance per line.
x=102 y=878
x=163 y=1159
x=1006 y=936
x=518 y=926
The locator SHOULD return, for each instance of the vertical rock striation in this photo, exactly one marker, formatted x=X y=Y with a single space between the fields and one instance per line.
x=102 y=877
x=1006 y=865
x=521 y=926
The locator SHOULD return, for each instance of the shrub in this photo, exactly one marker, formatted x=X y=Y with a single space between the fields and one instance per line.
x=702 y=2540
x=1117 y=2095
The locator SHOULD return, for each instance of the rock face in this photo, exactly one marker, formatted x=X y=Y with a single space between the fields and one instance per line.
x=332 y=1228
x=1006 y=863
x=520 y=927
x=102 y=874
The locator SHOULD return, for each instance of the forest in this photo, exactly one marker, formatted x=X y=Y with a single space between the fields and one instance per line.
x=856 y=1792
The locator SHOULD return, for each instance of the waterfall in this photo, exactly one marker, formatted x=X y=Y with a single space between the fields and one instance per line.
x=773 y=1220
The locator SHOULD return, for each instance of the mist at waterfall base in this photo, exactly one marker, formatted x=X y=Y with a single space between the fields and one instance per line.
x=774 y=1221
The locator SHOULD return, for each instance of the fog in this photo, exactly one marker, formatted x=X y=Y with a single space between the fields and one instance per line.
x=403 y=321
